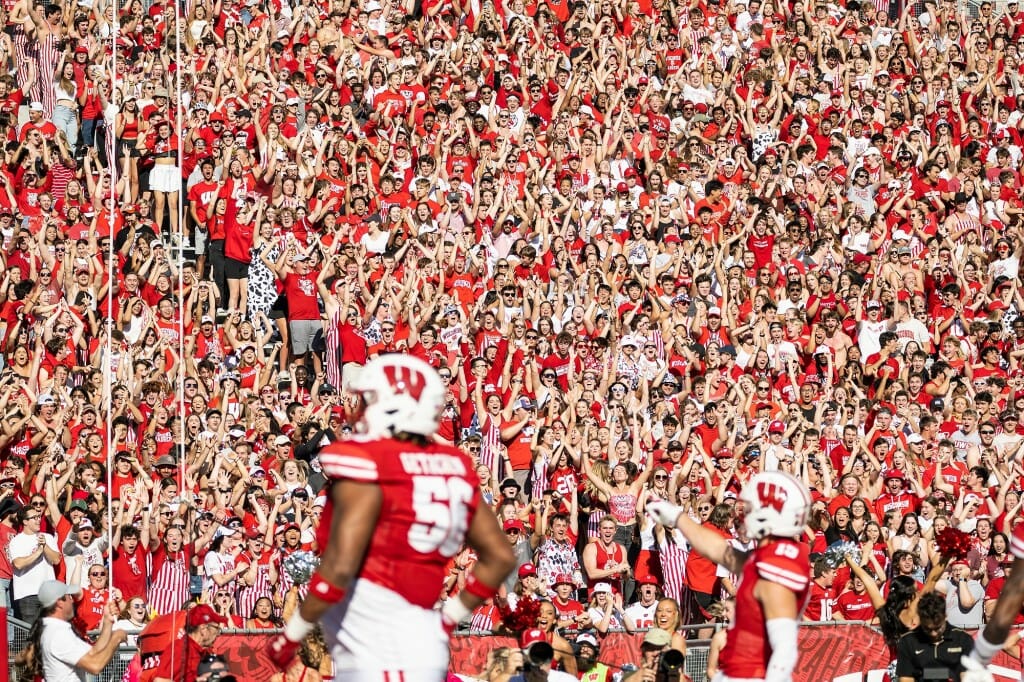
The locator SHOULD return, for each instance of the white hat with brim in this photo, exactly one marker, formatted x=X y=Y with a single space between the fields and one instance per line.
x=52 y=591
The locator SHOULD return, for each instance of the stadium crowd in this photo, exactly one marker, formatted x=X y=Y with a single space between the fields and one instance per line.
x=652 y=247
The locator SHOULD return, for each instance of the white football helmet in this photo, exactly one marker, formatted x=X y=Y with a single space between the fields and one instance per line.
x=776 y=504
x=401 y=393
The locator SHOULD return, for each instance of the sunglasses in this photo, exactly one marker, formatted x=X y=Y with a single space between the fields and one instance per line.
x=661 y=477
x=705 y=508
x=98 y=574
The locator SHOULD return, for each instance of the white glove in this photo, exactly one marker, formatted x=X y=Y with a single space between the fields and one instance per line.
x=453 y=612
x=664 y=513
x=974 y=671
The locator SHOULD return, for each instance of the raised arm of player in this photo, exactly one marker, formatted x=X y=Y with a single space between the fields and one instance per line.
x=707 y=542
x=495 y=560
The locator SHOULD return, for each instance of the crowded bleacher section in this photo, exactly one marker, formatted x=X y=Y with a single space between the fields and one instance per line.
x=652 y=248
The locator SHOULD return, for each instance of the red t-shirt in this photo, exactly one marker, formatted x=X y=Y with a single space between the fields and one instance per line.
x=302 y=296
x=130 y=572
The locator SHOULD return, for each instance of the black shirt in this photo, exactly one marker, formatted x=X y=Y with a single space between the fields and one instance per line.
x=922 y=659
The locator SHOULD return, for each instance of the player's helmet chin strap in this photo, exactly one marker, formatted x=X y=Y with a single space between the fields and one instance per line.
x=782 y=637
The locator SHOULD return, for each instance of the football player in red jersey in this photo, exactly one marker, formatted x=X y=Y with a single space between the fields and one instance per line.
x=761 y=643
x=992 y=637
x=400 y=507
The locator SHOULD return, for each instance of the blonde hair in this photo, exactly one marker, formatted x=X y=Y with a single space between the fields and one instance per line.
x=497 y=662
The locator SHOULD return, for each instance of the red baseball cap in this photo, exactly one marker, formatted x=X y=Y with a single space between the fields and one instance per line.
x=776 y=427
x=531 y=637
x=203 y=615
x=526 y=570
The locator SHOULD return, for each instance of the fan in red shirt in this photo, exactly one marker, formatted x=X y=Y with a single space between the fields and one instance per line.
x=567 y=609
x=855 y=603
x=822 y=598
x=131 y=554
x=92 y=600
x=894 y=496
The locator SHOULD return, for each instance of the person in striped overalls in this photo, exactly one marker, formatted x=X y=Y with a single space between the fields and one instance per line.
x=49 y=34
x=261 y=577
x=169 y=566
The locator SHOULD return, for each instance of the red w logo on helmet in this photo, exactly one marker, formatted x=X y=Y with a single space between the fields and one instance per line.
x=771 y=495
x=405 y=380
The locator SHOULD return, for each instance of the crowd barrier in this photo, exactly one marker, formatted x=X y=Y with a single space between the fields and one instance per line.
x=829 y=652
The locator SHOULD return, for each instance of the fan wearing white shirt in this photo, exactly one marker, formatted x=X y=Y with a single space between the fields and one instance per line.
x=60 y=656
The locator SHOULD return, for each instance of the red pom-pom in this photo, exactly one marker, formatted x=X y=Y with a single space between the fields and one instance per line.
x=523 y=617
x=953 y=543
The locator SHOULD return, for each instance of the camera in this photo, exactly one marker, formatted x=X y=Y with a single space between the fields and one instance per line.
x=671 y=660
x=539 y=654
x=221 y=677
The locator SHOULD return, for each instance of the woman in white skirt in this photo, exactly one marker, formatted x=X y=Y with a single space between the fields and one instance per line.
x=165 y=176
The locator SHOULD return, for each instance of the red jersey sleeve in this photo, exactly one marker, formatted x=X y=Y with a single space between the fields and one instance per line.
x=786 y=566
x=348 y=461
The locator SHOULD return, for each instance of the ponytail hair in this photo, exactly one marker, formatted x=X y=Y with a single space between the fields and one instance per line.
x=29 y=661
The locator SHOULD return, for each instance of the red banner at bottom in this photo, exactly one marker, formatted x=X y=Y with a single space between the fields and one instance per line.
x=827 y=653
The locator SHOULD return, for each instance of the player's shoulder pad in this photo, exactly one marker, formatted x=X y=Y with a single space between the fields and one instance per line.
x=785 y=563
x=437 y=460
x=358 y=438
x=349 y=460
